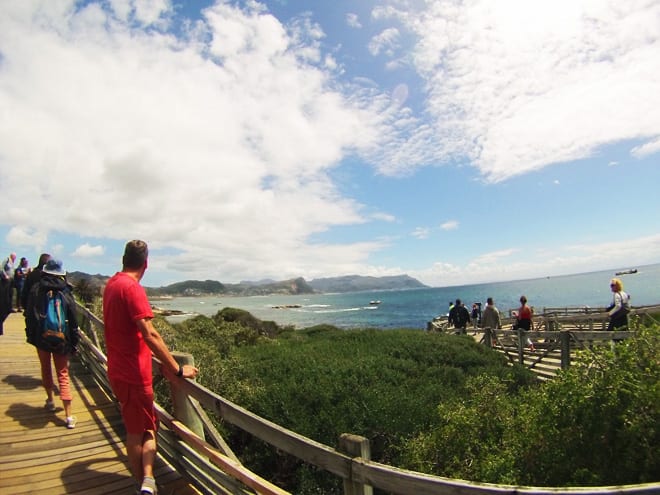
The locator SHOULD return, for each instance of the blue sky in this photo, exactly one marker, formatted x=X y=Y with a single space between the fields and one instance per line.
x=457 y=142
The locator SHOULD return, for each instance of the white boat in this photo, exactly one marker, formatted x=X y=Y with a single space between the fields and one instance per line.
x=374 y=303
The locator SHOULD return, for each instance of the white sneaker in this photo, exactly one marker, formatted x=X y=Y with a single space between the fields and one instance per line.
x=71 y=422
x=148 y=486
x=50 y=406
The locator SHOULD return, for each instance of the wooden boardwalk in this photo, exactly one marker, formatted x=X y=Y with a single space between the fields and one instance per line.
x=39 y=454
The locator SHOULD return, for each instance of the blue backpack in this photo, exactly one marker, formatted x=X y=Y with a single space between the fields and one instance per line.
x=54 y=323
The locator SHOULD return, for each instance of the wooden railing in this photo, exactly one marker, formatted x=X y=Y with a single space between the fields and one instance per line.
x=559 y=332
x=214 y=469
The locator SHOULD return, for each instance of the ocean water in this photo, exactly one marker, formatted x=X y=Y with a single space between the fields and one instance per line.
x=414 y=308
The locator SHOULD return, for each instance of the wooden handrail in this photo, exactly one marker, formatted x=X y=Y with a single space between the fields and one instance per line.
x=355 y=470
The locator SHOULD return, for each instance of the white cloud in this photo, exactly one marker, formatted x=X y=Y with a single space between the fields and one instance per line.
x=86 y=251
x=22 y=236
x=217 y=148
x=516 y=86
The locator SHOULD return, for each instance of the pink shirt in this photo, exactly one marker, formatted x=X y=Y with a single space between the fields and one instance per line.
x=129 y=357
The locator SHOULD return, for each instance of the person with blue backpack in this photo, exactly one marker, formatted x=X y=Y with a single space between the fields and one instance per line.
x=51 y=325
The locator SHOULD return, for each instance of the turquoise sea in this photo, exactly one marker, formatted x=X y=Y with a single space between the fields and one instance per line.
x=414 y=308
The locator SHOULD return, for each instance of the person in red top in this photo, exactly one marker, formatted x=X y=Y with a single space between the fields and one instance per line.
x=524 y=319
x=131 y=339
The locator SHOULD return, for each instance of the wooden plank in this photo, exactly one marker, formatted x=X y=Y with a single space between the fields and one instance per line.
x=38 y=454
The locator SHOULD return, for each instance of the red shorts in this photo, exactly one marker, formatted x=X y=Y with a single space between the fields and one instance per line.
x=137 y=406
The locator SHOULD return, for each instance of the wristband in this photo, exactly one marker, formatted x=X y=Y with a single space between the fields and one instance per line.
x=180 y=372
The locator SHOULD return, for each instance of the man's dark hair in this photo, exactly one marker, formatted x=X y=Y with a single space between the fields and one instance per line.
x=43 y=259
x=135 y=254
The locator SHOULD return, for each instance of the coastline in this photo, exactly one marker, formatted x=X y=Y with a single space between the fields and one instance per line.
x=414 y=308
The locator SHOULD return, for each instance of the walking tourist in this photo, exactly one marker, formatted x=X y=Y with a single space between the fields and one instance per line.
x=6 y=279
x=130 y=339
x=55 y=344
x=620 y=307
x=459 y=316
x=491 y=316
x=524 y=317
x=20 y=274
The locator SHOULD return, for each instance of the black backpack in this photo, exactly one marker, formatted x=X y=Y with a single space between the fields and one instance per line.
x=460 y=318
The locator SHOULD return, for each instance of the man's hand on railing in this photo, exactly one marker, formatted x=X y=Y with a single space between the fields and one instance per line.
x=185 y=371
x=188 y=371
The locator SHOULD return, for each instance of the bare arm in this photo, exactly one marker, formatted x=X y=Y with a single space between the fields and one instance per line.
x=157 y=345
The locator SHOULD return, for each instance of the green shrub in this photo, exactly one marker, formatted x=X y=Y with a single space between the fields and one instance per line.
x=384 y=385
x=434 y=403
x=596 y=424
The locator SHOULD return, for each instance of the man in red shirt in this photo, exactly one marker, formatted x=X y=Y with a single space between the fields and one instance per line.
x=130 y=339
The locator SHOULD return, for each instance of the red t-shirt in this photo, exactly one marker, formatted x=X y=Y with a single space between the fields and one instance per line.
x=129 y=357
x=525 y=313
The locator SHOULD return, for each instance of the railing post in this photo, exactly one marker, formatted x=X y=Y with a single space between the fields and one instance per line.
x=488 y=336
x=521 y=346
x=565 y=341
x=183 y=410
x=355 y=446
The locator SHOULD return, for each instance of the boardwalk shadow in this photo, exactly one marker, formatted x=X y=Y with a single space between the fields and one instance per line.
x=21 y=382
x=33 y=417
x=80 y=477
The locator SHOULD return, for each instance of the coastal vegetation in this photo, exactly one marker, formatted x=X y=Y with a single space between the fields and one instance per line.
x=433 y=403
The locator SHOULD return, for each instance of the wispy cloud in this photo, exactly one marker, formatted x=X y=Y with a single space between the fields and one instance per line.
x=421 y=233
x=491 y=71
x=507 y=264
x=353 y=21
x=449 y=225
x=650 y=148
x=387 y=41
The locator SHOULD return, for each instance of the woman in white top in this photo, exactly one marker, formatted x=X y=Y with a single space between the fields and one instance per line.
x=620 y=307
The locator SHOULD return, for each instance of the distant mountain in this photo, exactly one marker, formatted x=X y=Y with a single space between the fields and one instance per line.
x=349 y=283
x=188 y=288
x=210 y=287
x=357 y=283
